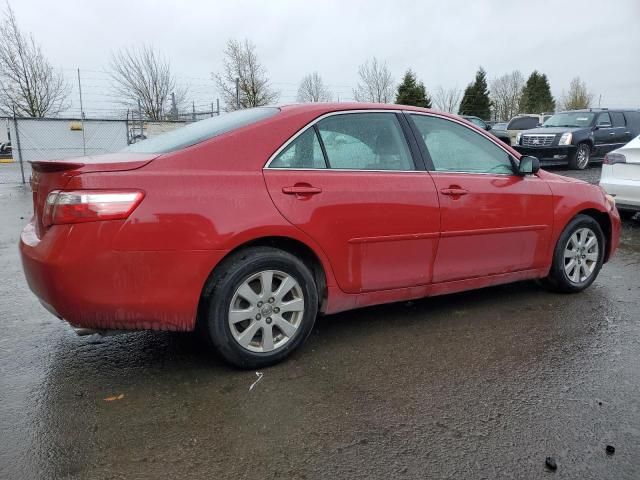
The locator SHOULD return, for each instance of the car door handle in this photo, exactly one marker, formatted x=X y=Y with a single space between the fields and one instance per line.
x=612 y=133
x=301 y=190
x=454 y=191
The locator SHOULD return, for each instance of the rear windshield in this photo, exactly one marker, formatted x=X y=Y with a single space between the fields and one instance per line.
x=570 y=119
x=523 y=123
x=200 y=131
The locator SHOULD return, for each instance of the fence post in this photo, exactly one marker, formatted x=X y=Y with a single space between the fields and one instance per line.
x=84 y=140
x=15 y=126
x=141 y=122
x=126 y=126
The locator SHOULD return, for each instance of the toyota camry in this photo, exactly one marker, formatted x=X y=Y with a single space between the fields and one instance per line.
x=246 y=226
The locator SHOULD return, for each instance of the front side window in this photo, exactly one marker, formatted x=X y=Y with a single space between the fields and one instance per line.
x=365 y=141
x=303 y=152
x=604 y=120
x=456 y=148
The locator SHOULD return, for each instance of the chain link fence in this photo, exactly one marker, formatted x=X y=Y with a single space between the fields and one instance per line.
x=33 y=139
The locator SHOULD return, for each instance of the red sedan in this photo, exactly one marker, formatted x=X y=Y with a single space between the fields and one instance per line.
x=248 y=225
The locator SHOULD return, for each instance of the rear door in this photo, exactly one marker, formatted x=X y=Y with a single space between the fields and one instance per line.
x=621 y=134
x=493 y=222
x=604 y=135
x=351 y=183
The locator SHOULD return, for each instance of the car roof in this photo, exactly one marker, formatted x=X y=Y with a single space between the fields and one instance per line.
x=339 y=106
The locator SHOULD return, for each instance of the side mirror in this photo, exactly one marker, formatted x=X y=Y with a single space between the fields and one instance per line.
x=528 y=165
x=487 y=126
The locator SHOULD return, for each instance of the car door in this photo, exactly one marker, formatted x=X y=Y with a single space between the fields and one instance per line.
x=604 y=135
x=492 y=221
x=350 y=182
x=621 y=135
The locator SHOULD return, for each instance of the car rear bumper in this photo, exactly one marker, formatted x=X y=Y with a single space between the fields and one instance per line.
x=79 y=278
x=553 y=155
x=626 y=192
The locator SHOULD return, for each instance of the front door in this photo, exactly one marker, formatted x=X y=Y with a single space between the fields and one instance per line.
x=604 y=135
x=493 y=221
x=350 y=182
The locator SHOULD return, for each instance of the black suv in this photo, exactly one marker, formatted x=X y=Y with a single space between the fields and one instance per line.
x=579 y=136
x=500 y=134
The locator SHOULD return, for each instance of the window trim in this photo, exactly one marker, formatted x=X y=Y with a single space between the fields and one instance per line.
x=312 y=124
x=427 y=156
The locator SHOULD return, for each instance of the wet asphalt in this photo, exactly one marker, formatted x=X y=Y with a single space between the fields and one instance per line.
x=483 y=384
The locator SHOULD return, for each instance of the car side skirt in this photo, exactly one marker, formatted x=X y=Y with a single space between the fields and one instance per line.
x=339 y=301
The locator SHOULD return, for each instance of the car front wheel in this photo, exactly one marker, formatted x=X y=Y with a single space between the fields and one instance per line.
x=262 y=304
x=578 y=256
x=580 y=158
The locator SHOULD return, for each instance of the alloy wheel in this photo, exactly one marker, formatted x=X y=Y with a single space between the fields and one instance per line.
x=581 y=255
x=583 y=156
x=266 y=311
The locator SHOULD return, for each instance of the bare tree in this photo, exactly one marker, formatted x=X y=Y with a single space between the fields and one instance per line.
x=577 y=97
x=506 y=92
x=241 y=64
x=313 y=89
x=142 y=74
x=447 y=99
x=28 y=82
x=376 y=83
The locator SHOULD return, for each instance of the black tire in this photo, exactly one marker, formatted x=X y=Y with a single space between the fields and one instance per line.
x=576 y=162
x=627 y=214
x=558 y=280
x=221 y=289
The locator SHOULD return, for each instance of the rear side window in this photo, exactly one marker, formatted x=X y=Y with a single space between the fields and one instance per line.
x=523 y=123
x=618 y=119
x=303 y=152
x=203 y=130
x=365 y=141
x=633 y=121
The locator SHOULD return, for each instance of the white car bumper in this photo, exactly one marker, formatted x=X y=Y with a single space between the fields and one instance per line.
x=626 y=191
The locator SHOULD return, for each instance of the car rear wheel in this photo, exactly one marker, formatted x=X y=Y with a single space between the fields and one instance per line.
x=262 y=306
x=578 y=256
x=580 y=158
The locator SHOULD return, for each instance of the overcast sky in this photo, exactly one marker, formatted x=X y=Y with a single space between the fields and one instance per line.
x=444 y=42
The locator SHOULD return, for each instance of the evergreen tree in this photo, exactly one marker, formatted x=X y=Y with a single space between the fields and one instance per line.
x=476 y=99
x=536 y=95
x=412 y=92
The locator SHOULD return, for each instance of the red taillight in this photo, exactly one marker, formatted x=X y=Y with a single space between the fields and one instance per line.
x=613 y=158
x=79 y=206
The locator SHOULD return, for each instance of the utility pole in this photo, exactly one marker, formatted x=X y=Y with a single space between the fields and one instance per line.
x=237 y=93
x=193 y=110
x=174 y=107
x=218 y=107
x=599 y=100
x=84 y=143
